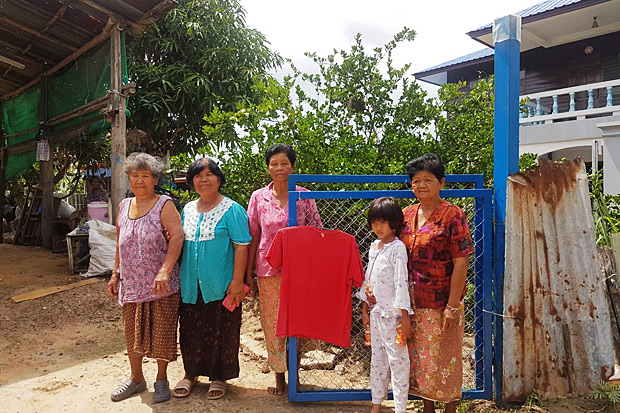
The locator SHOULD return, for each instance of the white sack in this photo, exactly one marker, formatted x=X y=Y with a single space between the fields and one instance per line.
x=102 y=242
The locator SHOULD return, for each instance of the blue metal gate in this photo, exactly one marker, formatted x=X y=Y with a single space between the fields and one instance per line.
x=319 y=371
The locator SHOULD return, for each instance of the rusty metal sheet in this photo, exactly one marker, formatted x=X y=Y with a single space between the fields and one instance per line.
x=557 y=331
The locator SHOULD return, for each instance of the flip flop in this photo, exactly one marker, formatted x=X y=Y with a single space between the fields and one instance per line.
x=185 y=384
x=162 y=391
x=127 y=389
x=217 y=386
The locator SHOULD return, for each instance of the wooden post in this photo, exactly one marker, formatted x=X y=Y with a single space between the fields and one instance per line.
x=46 y=175
x=119 y=124
x=2 y=172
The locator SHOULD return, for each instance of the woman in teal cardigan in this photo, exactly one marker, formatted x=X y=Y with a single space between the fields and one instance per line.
x=213 y=265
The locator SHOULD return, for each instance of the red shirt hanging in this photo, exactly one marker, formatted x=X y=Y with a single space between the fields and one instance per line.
x=318 y=268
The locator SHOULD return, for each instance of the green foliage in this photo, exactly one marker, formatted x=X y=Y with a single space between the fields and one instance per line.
x=18 y=187
x=528 y=161
x=464 y=406
x=70 y=160
x=353 y=121
x=470 y=304
x=74 y=157
x=465 y=134
x=198 y=58
x=606 y=211
x=181 y=195
x=607 y=392
x=535 y=399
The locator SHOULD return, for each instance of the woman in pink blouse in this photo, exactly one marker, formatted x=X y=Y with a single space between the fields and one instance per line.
x=268 y=212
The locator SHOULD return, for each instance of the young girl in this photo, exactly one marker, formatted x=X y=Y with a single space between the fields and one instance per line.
x=386 y=279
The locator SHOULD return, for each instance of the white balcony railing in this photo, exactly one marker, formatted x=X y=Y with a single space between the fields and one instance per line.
x=545 y=107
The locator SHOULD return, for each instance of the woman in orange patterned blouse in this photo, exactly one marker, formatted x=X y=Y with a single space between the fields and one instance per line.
x=439 y=243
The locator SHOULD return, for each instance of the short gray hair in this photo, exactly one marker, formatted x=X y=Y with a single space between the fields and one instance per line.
x=143 y=161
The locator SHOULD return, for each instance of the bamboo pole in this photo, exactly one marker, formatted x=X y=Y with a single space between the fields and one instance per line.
x=159 y=10
x=100 y=38
x=10 y=135
x=34 y=32
x=91 y=106
x=126 y=13
x=2 y=173
x=57 y=138
x=46 y=178
x=32 y=59
x=49 y=24
x=119 y=124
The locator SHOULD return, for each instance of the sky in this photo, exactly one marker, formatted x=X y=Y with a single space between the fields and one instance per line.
x=294 y=27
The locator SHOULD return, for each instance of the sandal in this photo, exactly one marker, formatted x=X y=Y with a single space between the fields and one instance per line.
x=219 y=387
x=127 y=389
x=185 y=384
x=162 y=391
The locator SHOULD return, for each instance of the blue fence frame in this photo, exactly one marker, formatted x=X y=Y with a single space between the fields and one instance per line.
x=483 y=269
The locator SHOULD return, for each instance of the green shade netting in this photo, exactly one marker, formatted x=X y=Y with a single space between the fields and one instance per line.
x=86 y=80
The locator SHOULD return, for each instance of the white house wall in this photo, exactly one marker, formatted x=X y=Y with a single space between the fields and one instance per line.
x=578 y=136
x=562 y=134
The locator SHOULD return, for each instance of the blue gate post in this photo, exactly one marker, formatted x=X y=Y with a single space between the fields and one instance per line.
x=507 y=41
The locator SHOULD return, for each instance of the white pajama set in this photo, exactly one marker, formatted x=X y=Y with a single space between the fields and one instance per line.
x=388 y=279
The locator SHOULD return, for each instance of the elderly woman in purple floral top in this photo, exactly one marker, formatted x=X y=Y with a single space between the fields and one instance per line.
x=267 y=213
x=146 y=277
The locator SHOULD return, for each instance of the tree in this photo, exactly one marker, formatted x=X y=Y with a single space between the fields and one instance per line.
x=465 y=132
x=362 y=116
x=200 y=57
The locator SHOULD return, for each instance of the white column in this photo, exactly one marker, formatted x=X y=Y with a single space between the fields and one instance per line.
x=610 y=132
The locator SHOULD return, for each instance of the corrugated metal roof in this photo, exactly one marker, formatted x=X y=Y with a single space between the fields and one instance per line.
x=557 y=330
x=539 y=8
x=459 y=60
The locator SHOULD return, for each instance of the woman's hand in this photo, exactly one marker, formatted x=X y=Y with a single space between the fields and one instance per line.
x=113 y=285
x=161 y=285
x=249 y=281
x=451 y=318
x=405 y=328
x=235 y=289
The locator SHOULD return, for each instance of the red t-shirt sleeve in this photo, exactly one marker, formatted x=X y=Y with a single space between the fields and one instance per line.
x=274 y=255
x=356 y=268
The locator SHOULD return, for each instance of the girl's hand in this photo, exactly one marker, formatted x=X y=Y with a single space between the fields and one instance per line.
x=235 y=289
x=451 y=318
x=372 y=300
x=113 y=285
x=365 y=318
x=161 y=285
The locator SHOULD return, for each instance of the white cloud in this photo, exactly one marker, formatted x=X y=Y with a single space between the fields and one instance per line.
x=295 y=27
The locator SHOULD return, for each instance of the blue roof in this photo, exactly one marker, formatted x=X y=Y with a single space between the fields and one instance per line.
x=539 y=8
x=467 y=58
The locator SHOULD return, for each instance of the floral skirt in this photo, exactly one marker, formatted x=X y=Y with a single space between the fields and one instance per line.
x=269 y=297
x=151 y=328
x=436 y=357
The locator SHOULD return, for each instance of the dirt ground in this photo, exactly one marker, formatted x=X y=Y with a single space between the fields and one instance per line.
x=65 y=353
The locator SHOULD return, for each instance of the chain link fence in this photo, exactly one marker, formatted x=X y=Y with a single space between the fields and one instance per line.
x=324 y=366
